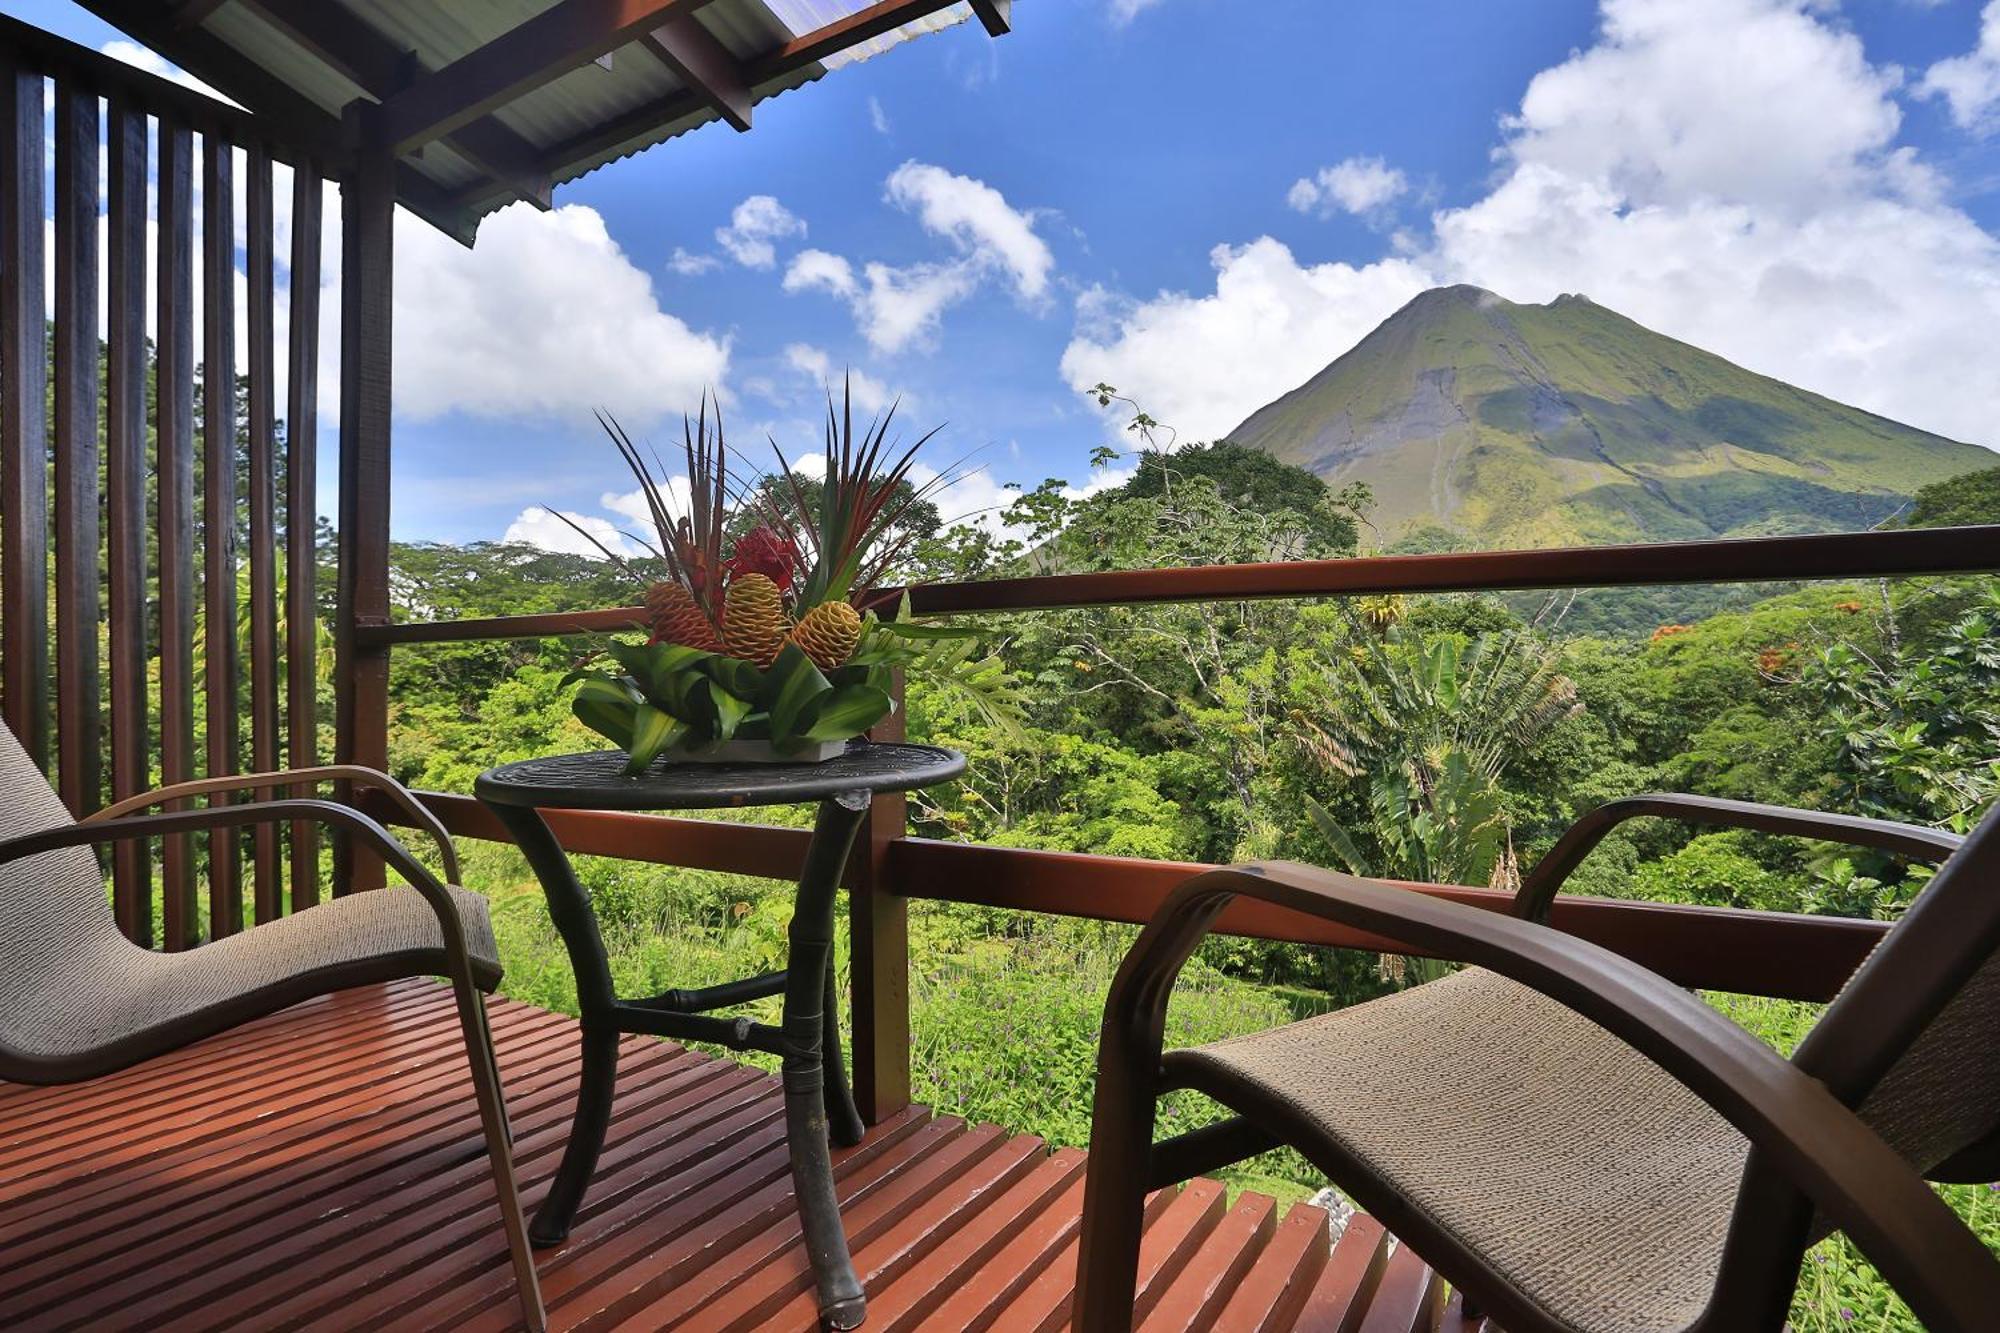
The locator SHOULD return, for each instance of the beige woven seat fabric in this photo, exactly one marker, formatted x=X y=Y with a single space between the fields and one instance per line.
x=1597 y=1185
x=71 y=983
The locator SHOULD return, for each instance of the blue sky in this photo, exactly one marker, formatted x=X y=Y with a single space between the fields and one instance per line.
x=1203 y=201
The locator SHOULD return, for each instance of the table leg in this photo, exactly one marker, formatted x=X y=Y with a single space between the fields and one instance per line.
x=843 y=1117
x=569 y=909
x=808 y=1101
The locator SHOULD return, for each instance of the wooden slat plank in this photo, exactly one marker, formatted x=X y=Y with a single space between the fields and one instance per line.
x=301 y=515
x=361 y=713
x=1269 y=1299
x=1195 y=1297
x=911 y=1297
x=218 y=516
x=878 y=919
x=911 y=1237
x=1340 y=1298
x=766 y=1225
x=24 y=436
x=173 y=398
x=752 y=1299
x=259 y=226
x=126 y=154
x=79 y=731
x=1409 y=1299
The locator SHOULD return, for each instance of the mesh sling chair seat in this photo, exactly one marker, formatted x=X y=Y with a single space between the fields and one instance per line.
x=1571 y=1140
x=79 y=1000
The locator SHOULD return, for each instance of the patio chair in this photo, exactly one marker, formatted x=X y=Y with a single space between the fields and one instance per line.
x=79 y=1000
x=1571 y=1140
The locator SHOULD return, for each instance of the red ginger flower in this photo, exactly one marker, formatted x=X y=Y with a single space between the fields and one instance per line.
x=763 y=551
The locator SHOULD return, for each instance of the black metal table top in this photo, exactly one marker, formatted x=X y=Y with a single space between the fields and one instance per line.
x=596 y=780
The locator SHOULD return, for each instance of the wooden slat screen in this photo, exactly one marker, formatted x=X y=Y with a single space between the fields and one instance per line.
x=166 y=457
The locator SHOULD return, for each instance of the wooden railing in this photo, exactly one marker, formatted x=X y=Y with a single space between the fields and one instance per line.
x=163 y=577
x=1756 y=952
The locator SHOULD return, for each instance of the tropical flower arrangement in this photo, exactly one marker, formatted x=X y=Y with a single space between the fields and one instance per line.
x=765 y=638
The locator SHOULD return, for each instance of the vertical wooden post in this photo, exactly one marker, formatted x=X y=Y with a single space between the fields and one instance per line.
x=24 y=435
x=218 y=515
x=879 y=956
x=125 y=496
x=367 y=276
x=302 y=514
x=258 y=221
x=79 y=731
x=173 y=394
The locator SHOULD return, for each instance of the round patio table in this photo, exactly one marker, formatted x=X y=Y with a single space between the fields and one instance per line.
x=819 y=1104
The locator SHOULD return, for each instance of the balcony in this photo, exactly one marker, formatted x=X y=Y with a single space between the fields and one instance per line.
x=315 y=1168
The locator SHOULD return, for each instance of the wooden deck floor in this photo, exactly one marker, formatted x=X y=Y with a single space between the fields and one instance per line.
x=322 y=1169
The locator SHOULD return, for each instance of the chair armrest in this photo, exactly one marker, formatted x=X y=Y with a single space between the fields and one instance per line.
x=1940 y=1267
x=1538 y=890
x=404 y=799
x=366 y=830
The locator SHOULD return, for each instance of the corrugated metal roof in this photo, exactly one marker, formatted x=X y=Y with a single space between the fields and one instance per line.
x=585 y=118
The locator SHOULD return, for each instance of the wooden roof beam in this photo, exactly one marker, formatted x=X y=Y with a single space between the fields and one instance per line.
x=705 y=65
x=375 y=63
x=525 y=57
x=997 y=15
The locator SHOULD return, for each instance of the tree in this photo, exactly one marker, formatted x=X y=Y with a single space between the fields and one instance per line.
x=1971 y=498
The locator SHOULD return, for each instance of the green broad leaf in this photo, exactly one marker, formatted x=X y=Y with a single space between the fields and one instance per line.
x=846 y=712
x=670 y=657
x=736 y=676
x=608 y=707
x=729 y=710
x=652 y=732
x=798 y=682
x=1336 y=837
x=790 y=658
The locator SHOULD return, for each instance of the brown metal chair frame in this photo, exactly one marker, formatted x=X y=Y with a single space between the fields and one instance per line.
x=1809 y=1150
x=470 y=978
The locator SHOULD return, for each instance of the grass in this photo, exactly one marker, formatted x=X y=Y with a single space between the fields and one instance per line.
x=1005 y=1010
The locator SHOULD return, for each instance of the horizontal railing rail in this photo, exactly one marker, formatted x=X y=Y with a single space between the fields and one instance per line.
x=1894 y=554
x=1789 y=957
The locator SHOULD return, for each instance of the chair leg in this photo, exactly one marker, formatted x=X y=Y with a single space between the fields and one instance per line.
x=486 y=1087
x=1114 y=1198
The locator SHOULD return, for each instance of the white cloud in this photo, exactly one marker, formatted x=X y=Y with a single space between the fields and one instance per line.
x=1970 y=84
x=1723 y=171
x=689 y=264
x=877 y=116
x=1203 y=363
x=816 y=269
x=1124 y=11
x=546 y=317
x=754 y=225
x=870 y=394
x=151 y=61
x=898 y=306
x=977 y=219
x=1358 y=185
x=540 y=527
x=975 y=499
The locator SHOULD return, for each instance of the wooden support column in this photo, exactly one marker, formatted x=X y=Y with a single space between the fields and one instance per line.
x=218 y=516
x=24 y=432
x=879 y=929
x=173 y=395
x=125 y=496
x=367 y=277
x=302 y=515
x=79 y=732
x=258 y=226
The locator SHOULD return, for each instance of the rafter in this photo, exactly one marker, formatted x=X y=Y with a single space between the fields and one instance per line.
x=378 y=66
x=705 y=65
x=997 y=15
x=525 y=57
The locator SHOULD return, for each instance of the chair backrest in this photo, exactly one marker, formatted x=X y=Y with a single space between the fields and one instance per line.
x=54 y=914
x=1931 y=1075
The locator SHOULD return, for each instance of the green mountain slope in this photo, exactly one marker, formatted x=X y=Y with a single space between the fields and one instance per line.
x=1535 y=425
